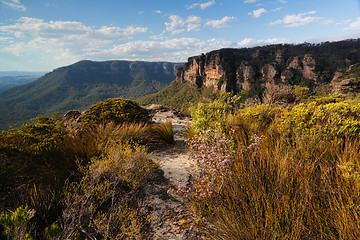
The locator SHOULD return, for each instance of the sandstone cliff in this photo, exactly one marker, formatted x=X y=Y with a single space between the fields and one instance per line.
x=242 y=69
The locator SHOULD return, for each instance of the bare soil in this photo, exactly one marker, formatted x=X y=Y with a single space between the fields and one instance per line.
x=171 y=217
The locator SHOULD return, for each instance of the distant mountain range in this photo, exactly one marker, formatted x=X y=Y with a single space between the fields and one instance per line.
x=7 y=82
x=81 y=85
x=20 y=73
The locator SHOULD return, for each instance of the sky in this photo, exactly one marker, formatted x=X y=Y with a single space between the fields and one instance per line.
x=41 y=35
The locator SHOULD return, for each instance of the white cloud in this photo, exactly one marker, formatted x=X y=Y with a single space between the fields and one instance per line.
x=261 y=11
x=296 y=19
x=219 y=23
x=355 y=25
x=251 y=1
x=179 y=25
x=250 y=42
x=201 y=5
x=258 y=12
x=158 y=11
x=193 y=23
x=344 y=22
x=58 y=37
x=174 y=50
x=175 y=25
x=14 y=4
x=276 y=9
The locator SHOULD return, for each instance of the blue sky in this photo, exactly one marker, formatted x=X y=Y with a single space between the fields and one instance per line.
x=40 y=35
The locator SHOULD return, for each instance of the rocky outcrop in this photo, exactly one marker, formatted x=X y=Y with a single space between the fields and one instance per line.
x=347 y=82
x=308 y=70
x=203 y=70
x=213 y=70
x=244 y=76
x=268 y=73
x=241 y=69
x=347 y=85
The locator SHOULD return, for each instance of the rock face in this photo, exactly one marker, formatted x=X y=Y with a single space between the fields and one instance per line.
x=242 y=69
x=347 y=82
x=269 y=72
x=346 y=85
x=308 y=70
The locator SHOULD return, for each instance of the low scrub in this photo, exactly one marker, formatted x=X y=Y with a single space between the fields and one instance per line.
x=117 y=110
x=83 y=184
x=277 y=173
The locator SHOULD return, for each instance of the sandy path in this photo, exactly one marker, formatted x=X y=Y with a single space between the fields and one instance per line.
x=170 y=218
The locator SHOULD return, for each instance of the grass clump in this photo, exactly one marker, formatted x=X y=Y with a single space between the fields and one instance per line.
x=163 y=131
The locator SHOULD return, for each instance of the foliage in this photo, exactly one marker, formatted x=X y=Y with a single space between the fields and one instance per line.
x=86 y=179
x=301 y=93
x=214 y=115
x=101 y=203
x=213 y=157
x=117 y=110
x=328 y=120
x=41 y=136
x=16 y=223
x=53 y=232
x=292 y=174
x=32 y=154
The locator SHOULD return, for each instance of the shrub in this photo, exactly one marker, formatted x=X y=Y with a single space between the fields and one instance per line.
x=32 y=154
x=328 y=120
x=278 y=94
x=214 y=115
x=116 y=110
x=212 y=154
x=102 y=204
x=16 y=223
x=297 y=182
x=42 y=136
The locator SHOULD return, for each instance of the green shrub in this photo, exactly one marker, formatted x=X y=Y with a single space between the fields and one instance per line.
x=116 y=110
x=214 y=115
x=32 y=154
x=16 y=223
x=41 y=136
x=328 y=120
x=53 y=232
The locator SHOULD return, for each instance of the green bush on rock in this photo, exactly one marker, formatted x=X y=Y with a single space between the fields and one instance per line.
x=117 y=110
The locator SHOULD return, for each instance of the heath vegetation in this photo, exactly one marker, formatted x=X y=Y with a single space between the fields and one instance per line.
x=61 y=183
x=278 y=171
